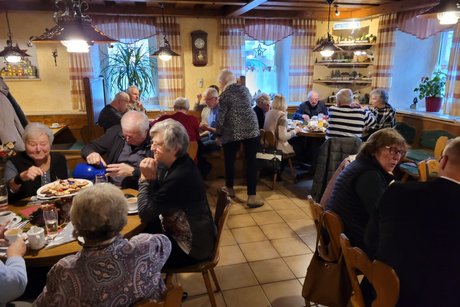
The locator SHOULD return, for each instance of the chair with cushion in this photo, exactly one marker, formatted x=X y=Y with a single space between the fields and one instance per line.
x=427 y=169
x=171 y=298
x=429 y=141
x=408 y=132
x=382 y=277
x=206 y=267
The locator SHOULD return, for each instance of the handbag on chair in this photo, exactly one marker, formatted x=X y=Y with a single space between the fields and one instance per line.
x=326 y=282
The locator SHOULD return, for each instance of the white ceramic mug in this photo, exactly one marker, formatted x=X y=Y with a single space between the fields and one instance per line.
x=6 y=216
x=132 y=203
x=36 y=237
x=12 y=234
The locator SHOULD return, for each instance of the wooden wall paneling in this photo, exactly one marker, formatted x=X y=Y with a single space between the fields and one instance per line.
x=74 y=121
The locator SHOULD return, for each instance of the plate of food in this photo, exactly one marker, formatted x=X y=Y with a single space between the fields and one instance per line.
x=62 y=188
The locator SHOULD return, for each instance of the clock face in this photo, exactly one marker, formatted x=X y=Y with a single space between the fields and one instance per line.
x=199 y=43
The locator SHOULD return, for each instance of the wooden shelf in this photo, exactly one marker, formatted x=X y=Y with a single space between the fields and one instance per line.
x=355 y=46
x=353 y=82
x=345 y=64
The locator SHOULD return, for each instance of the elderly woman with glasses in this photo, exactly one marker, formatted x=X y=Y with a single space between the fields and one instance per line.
x=360 y=185
x=172 y=199
x=109 y=270
x=26 y=172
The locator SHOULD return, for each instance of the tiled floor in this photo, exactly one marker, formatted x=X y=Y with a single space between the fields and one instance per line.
x=265 y=251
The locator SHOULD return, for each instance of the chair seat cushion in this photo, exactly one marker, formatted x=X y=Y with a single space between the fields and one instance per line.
x=410 y=168
x=418 y=155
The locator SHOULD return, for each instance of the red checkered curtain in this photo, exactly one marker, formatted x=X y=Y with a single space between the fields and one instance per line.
x=421 y=28
x=171 y=73
x=268 y=31
x=128 y=28
x=232 y=36
x=79 y=67
x=302 y=59
x=383 y=57
x=452 y=99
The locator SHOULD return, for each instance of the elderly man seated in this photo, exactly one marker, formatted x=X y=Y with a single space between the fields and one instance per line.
x=190 y=122
x=109 y=270
x=124 y=147
x=262 y=106
x=312 y=107
x=111 y=114
x=134 y=102
x=347 y=118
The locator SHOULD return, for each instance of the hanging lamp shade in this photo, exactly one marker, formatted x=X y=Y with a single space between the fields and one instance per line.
x=165 y=53
x=11 y=53
x=327 y=47
x=73 y=29
x=447 y=12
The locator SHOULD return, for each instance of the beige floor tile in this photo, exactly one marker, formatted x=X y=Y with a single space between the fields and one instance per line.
x=237 y=208
x=248 y=234
x=259 y=251
x=301 y=203
x=293 y=214
x=227 y=238
x=278 y=231
x=282 y=204
x=235 y=276
x=303 y=227
x=271 y=270
x=192 y=283
x=298 y=264
x=231 y=255
x=301 y=280
x=203 y=301
x=265 y=207
x=310 y=240
x=272 y=194
x=290 y=247
x=268 y=217
x=246 y=297
x=240 y=220
x=284 y=293
x=307 y=211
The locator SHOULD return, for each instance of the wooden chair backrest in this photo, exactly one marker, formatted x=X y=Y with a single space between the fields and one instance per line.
x=171 y=298
x=94 y=101
x=381 y=276
x=329 y=247
x=220 y=218
x=427 y=169
x=441 y=143
x=193 y=149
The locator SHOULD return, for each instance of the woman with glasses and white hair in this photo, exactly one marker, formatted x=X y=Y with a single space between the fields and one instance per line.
x=27 y=171
x=360 y=185
x=173 y=200
x=109 y=270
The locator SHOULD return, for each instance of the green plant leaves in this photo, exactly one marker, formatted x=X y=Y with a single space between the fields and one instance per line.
x=433 y=87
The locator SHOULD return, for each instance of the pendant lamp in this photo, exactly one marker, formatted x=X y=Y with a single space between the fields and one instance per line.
x=447 y=12
x=326 y=47
x=11 y=53
x=165 y=53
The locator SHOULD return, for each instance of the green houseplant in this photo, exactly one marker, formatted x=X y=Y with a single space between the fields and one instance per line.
x=130 y=65
x=432 y=89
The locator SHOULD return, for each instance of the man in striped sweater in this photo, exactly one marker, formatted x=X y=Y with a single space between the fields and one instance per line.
x=347 y=119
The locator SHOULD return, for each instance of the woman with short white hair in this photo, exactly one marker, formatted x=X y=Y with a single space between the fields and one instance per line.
x=109 y=270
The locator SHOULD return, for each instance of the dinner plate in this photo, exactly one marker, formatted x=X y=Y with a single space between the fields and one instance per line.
x=40 y=195
x=14 y=222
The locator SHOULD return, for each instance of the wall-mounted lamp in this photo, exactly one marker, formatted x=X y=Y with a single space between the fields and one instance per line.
x=337 y=12
x=12 y=54
x=447 y=12
x=72 y=29
x=165 y=53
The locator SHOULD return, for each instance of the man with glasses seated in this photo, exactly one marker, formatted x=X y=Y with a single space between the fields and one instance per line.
x=111 y=114
x=419 y=234
x=123 y=147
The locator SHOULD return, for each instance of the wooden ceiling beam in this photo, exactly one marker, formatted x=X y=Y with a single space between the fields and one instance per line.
x=406 y=5
x=242 y=10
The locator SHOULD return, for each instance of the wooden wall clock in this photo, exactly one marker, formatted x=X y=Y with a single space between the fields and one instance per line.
x=199 y=48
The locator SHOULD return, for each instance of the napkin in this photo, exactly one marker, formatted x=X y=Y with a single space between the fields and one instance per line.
x=65 y=236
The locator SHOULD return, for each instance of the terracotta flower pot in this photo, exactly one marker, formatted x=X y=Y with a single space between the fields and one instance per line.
x=433 y=104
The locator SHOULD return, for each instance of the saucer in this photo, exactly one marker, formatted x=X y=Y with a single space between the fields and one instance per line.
x=55 y=126
x=133 y=211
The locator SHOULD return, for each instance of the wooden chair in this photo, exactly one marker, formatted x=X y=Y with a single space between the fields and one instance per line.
x=193 y=149
x=427 y=169
x=171 y=298
x=381 y=276
x=206 y=267
x=411 y=169
x=429 y=140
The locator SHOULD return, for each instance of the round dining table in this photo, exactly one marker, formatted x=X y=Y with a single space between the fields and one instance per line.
x=49 y=256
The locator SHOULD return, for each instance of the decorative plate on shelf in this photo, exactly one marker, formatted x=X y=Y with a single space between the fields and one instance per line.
x=62 y=188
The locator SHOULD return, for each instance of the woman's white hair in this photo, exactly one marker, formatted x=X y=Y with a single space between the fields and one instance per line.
x=99 y=212
x=226 y=77
x=33 y=130
x=344 y=97
x=174 y=135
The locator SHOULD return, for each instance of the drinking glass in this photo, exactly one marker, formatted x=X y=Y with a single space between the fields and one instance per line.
x=50 y=215
x=3 y=196
x=100 y=179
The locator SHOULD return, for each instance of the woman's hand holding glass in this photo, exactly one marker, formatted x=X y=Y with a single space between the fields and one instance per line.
x=148 y=168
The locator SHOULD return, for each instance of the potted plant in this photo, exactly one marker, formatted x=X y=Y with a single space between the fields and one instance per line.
x=130 y=65
x=432 y=90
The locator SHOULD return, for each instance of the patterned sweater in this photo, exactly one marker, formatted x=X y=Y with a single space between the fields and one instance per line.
x=348 y=121
x=236 y=120
x=384 y=117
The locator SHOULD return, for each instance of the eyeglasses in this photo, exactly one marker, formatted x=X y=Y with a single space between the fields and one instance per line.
x=156 y=145
x=394 y=151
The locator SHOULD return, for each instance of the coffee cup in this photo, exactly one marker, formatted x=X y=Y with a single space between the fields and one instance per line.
x=12 y=234
x=132 y=203
x=36 y=237
x=6 y=216
x=55 y=125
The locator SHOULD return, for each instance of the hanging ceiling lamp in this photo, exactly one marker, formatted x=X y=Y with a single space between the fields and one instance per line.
x=165 y=53
x=326 y=47
x=447 y=12
x=12 y=54
x=73 y=29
